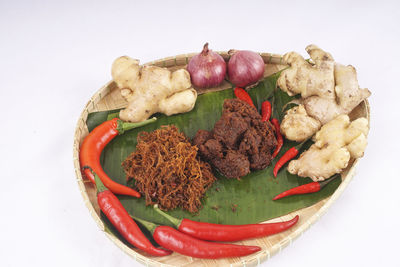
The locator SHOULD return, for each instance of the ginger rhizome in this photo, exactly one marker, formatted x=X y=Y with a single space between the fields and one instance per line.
x=297 y=125
x=151 y=89
x=328 y=89
x=335 y=143
x=308 y=79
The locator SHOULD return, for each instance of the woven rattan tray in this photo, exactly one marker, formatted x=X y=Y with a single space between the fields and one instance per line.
x=108 y=97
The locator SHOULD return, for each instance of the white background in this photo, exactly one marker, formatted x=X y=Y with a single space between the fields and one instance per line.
x=55 y=55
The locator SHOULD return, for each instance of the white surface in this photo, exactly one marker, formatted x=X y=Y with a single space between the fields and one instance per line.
x=54 y=56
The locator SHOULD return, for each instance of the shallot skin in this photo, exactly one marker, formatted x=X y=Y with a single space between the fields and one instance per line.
x=207 y=69
x=245 y=68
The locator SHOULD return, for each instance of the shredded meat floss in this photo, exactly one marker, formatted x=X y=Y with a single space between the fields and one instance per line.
x=168 y=171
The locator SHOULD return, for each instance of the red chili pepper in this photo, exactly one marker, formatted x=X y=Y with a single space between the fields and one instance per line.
x=305 y=188
x=279 y=137
x=227 y=233
x=93 y=145
x=243 y=95
x=266 y=110
x=184 y=244
x=290 y=154
x=120 y=218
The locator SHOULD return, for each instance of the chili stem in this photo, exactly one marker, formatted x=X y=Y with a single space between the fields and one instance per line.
x=322 y=184
x=99 y=184
x=148 y=225
x=176 y=222
x=299 y=146
x=112 y=116
x=125 y=126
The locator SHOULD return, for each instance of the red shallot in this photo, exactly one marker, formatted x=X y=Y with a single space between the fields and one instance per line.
x=245 y=67
x=207 y=69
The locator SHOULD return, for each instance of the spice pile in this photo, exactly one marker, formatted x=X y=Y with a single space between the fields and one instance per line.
x=167 y=170
x=239 y=142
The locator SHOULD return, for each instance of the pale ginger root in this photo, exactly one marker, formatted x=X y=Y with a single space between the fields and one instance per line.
x=348 y=96
x=320 y=163
x=178 y=103
x=307 y=79
x=297 y=125
x=151 y=89
x=340 y=132
x=335 y=143
x=348 y=92
x=328 y=89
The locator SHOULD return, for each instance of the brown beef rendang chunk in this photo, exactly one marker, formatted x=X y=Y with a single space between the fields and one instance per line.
x=239 y=142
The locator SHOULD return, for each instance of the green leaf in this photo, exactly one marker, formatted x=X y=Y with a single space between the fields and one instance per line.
x=289 y=106
x=96 y=118
x=281 y=98
x=228 y=201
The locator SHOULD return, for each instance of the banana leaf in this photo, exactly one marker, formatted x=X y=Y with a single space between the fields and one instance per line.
x=228 y=201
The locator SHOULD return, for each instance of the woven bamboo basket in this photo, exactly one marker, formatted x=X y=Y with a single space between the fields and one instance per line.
x=108 y=97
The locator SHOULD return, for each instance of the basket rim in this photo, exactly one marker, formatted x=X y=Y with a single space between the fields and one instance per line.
x=258 y=257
